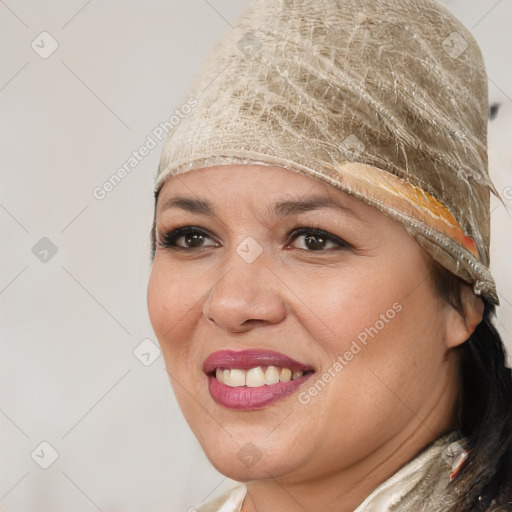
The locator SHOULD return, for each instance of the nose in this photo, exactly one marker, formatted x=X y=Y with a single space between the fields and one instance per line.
x=247 y=295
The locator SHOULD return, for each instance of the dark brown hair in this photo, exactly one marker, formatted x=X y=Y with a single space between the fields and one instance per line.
x=484 y=409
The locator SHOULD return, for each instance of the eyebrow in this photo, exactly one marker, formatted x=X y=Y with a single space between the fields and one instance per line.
x=280 y=209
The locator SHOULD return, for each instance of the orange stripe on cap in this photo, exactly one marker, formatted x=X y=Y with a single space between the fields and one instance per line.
x=394 y=192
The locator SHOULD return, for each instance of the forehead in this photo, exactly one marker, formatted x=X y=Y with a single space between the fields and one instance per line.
x=235 y=176
x=251 y=185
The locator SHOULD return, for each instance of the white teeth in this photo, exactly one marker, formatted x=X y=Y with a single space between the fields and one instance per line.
x=256 y=377
x=286 y=375
x=271 y=375
x=236 y=378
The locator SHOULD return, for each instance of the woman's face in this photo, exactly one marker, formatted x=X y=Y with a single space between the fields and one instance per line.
x=260 y=275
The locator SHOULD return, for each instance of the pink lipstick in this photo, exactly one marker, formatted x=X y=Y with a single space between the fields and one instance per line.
x=253 y=379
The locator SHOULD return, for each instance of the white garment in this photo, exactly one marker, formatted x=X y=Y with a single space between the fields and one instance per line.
x=387 y=497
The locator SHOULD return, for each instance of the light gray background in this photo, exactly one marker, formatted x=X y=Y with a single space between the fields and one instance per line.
x=69 y=325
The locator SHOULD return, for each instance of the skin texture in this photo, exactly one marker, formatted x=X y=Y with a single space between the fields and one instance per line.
x=308 y=299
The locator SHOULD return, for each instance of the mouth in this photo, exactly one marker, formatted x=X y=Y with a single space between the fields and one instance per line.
x=256 y=377
x=253 y=379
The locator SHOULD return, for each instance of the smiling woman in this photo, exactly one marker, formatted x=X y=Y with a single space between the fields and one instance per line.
x=320 y=285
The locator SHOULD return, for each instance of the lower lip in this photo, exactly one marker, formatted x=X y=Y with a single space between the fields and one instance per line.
x=246 y=398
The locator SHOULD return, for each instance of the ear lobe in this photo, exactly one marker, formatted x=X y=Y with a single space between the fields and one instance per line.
x=462 y=324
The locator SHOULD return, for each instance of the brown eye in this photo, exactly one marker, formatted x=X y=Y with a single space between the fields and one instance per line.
x=193 y=238
x=316 y=239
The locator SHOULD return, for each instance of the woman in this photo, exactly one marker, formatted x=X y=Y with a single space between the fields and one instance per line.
x=320 y=286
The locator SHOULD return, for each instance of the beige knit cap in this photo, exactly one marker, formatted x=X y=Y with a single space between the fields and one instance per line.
x=383 y=99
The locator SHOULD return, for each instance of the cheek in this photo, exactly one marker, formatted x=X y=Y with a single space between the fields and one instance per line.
x=387 y=329
x=392 y=354
x=346 y=305
x=172 y=306
x=171 y=302
x=160 y=299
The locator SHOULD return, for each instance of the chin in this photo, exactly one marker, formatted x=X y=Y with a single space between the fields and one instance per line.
x=249 y=468
x=243 y=460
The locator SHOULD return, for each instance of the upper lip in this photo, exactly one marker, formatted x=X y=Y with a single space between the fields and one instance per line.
x=245 y=359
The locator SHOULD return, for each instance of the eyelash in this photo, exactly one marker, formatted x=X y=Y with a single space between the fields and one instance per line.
x=168 y=240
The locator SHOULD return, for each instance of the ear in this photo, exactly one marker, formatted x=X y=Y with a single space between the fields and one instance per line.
x=462 y=324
